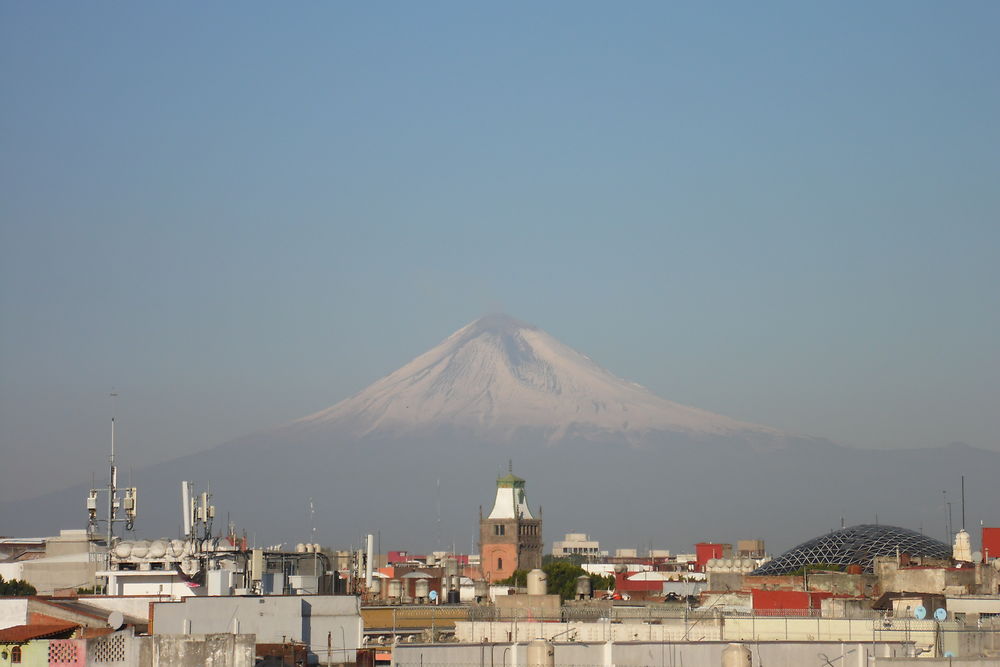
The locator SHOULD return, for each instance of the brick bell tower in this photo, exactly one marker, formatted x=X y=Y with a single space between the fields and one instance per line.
x=510 y=538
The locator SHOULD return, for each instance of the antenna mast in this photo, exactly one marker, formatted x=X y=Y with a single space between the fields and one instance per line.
x=128 y=503
x=963 y=502
x=112 y=479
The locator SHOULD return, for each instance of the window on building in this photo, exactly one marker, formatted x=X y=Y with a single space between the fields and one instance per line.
x=15 y=654
x=499 y=563
x=498 y=529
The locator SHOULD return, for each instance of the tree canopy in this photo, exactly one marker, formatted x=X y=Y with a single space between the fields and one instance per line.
x=15 y=588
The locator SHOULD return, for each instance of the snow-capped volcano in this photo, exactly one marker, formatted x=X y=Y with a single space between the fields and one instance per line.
x=501 y=375
x=604 y=455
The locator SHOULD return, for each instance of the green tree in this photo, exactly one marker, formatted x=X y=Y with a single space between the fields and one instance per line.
x=601 y=583
x=15 y=588
x=562 y=578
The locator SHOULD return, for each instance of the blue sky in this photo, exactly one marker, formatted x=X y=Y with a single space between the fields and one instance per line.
x=240 y=213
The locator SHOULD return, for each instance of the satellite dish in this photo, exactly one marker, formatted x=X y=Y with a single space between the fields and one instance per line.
x=433 y=595
x=116 y=620
x=940 y=614
x=920 y=613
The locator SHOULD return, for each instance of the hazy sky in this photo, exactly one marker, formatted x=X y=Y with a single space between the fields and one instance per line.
x=236 y=214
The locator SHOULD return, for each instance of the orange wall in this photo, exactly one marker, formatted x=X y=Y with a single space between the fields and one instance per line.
x=505 y=552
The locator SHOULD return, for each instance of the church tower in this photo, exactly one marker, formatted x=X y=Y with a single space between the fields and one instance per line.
x=510 y=538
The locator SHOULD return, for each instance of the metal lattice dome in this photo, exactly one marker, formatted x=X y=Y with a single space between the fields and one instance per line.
x=857 y=545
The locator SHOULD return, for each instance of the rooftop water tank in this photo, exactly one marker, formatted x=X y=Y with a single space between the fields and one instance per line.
x=736 y=655
x=537 y=582
x=157 y=549
x=482 y=589
x=541 y=653
x=176 y=548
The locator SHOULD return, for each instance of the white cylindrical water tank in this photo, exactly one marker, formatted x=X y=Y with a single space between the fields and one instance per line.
x=736 y=655
x=541 y=653
x=481 y=588
x=583 y=587
x=157 y=549
x=395 y=588
x=176 y=548
x=537 y=582
x=123 y=549
x=451 y=567
x=140 y=549
x=376 y=586
x=423 y=588
x=300 y=548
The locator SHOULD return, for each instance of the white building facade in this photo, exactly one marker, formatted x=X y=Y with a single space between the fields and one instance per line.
x=577 y=544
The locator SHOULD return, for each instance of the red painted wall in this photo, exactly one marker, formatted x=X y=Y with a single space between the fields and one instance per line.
x=991 y=542
x=705 y=551
x=791 y=600
x=622 y=584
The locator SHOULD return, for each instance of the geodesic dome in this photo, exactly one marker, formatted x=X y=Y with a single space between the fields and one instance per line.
x=857 y=545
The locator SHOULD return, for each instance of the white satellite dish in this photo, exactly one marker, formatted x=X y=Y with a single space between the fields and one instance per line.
x=116 y=620
x=920 y=613
x=940 y=614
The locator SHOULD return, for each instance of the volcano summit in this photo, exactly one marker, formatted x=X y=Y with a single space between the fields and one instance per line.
x=500 y=378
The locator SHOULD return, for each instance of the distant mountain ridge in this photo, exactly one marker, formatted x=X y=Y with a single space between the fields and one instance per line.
x=499 y=376
x=415 y=454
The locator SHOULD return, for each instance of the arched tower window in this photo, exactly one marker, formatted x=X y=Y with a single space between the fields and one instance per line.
x=499 y=563
x=15 y=654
